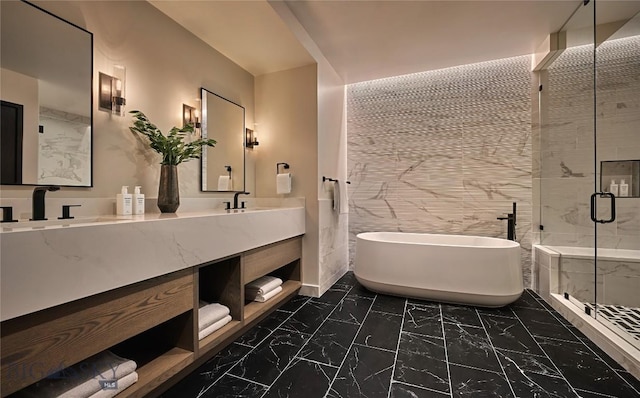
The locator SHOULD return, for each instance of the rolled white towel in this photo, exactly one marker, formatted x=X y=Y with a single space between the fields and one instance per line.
x=123 y=383
x=81 y=379
x=264 y=297
x=211 y=313
x=263 y=284
x=215 y=326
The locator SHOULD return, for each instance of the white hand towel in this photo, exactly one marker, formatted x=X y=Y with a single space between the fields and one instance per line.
x=224 y=183
x=283 y=183
x=81 y=379
x=210 y=314
x=340 y=199
x=269 y=295
x=213 y=327
x=123 y=383
x=263 y=284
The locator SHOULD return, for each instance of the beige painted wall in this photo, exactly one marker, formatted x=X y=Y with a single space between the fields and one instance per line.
x=166 y=66
x=23 y=90
x=286 y=123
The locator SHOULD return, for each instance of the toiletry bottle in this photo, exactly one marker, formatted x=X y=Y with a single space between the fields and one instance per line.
x=613 y=188
x=124 y=202
x=138 y=201
x=624 y=188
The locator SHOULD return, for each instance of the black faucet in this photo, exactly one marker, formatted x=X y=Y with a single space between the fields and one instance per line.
x=511 y=223
x=37 y=204
x=235 y=199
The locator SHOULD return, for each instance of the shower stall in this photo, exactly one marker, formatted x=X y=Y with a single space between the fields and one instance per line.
x=587 y=176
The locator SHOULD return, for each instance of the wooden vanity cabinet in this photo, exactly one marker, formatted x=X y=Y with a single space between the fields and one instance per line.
x=154 y=322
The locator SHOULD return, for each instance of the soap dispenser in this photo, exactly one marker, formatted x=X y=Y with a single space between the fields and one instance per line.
x=124 y=202
x=624 y=188
x=138 y=201
x=613 y=188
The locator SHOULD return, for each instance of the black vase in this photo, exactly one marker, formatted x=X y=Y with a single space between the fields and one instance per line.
x=168 y=193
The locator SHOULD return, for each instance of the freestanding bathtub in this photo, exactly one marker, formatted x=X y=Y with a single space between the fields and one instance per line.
x=460 y=269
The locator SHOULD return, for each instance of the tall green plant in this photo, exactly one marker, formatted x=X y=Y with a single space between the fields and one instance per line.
x=172 y=147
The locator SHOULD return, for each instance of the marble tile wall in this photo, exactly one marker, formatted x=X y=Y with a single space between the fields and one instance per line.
x=567 y=173
x=444 y=151
x=334 y=228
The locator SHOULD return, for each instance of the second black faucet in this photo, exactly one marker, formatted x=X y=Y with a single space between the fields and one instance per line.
x=235 y=200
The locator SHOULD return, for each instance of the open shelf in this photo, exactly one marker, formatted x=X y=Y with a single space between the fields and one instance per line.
x=220 y=335
x=159 y=352
x=154 y=373
x=254 y=309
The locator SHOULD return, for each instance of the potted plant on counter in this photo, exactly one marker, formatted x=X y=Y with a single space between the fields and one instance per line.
x=174 y=150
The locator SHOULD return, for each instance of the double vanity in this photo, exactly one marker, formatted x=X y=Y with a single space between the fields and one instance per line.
x=132 y=285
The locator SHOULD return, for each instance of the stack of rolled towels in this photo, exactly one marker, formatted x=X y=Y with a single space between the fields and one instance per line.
x=263 y=288
x=211 y=317
x=103 y=375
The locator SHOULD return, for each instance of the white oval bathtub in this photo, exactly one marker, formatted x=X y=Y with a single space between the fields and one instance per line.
x=471 y=270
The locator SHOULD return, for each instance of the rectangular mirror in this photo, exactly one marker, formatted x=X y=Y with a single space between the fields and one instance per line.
x=222 y=165
x=47 y=116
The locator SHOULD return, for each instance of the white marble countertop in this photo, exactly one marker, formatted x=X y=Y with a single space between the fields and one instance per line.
x=44 y=266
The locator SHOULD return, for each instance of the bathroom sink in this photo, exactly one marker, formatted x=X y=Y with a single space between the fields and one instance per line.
x=28 y=224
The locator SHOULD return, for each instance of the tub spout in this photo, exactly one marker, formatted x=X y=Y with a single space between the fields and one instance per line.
x=511 y=223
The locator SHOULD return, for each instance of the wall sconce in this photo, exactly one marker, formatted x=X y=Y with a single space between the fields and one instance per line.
x=190 y=115
x=112 y=91
x=251 y=140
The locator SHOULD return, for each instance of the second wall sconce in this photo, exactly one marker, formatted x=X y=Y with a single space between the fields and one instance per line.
x=250 y=140
x=190 y=116
x=112 y=91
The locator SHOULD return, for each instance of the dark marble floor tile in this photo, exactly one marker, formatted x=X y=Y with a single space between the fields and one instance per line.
x=591 y=394
x=390 y=304
x=347 y=279
x=401 y=390
x=352 y=309
x=330 y=343
x=259 y=332
x=470 y=346
x=302 y=379
x=460 y=314
x=533 y=376
x=294 y=304
x=537 y=385
x=230 y=386
x=542 y=323
x=631 y=380
x=308 y=318
x=421 y=362
x=502 y=311
x=380 y=330
x=583 y=371
x=469 y=382
x=208 y=373
x=265 y=363
x=526 y=363
x=426 y=303
x=359 y=290
x=422 y=320
x=601 y=354
x=527 y=300
x=366 y=372
x=509 y=334
x=332 y=296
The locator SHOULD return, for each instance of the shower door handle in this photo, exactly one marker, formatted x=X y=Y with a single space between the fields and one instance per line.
x=593 y=207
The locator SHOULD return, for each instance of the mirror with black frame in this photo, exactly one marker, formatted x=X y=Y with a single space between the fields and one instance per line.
x=46 y=68
x=223 y=165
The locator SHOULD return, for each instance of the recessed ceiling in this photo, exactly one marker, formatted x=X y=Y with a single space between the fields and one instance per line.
x=366 y=40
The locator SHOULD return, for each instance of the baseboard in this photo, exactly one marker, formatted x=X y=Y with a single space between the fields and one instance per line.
x=309 y=290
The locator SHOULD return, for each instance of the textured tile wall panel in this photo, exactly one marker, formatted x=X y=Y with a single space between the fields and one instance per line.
x=445 y=151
